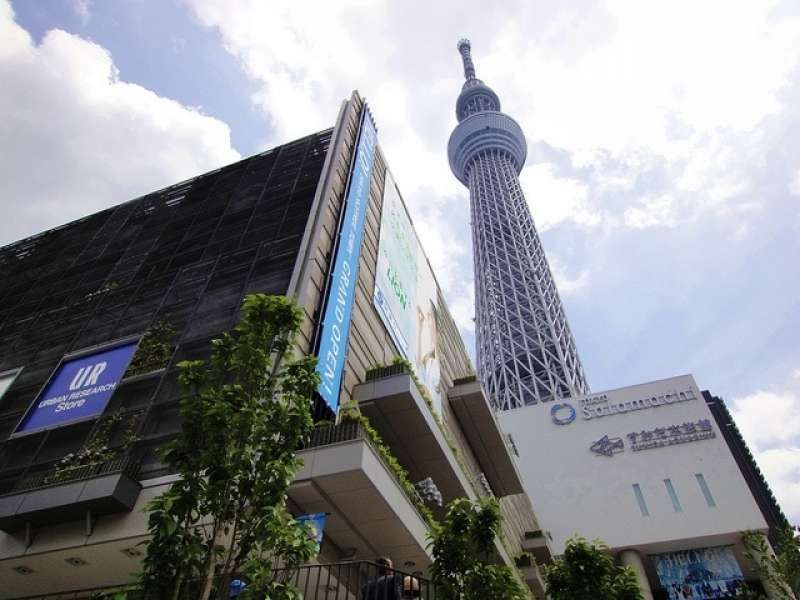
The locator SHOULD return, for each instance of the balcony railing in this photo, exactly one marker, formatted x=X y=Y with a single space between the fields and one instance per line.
x=353 y=580
x=60 y=476
x=387 y=371
x=327 y=435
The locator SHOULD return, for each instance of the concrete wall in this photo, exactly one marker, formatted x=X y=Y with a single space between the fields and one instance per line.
x=575 y=490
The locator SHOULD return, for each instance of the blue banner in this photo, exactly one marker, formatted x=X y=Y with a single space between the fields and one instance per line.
x=317 y=522
x=339 y=307
x=79 y=389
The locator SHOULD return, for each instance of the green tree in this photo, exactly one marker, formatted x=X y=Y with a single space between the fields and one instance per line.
x=780 y=571
x=463 y=546
x=587 y=571
x=245 y=412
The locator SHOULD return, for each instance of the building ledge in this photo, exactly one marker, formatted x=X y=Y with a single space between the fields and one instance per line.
x=485 y=436
x=369 y=513
x=538 y=544
x=533 y=578
x=102 y=488
x=397 y=410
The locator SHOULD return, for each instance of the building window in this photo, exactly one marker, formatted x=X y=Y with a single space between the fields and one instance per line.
x=637 y=491
x=676 y=504
x=705 y=489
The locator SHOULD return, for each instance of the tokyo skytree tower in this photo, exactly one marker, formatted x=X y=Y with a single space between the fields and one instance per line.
x=526 y=352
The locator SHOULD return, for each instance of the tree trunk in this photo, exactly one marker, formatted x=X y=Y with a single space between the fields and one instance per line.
x=178 y=583
x=209 y=581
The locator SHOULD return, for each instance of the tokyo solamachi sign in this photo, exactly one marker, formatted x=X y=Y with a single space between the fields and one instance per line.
x=601 y=405
x=79 y=389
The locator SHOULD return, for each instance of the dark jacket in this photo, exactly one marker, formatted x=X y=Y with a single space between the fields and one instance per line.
x=385 y=587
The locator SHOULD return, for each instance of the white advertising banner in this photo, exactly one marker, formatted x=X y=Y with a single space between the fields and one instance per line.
x=405 y=293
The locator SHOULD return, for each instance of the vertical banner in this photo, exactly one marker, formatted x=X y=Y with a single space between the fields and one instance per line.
x=79 y=389
x=342 y=285
x=406 y=293
x=317 y=522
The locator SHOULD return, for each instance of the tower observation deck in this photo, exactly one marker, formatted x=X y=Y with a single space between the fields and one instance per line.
x=525 y=350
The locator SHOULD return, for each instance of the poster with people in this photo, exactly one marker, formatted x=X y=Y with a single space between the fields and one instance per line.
x=699 y=574
x=405 y=293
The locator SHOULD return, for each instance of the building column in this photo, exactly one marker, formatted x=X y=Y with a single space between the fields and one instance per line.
x=631 y=558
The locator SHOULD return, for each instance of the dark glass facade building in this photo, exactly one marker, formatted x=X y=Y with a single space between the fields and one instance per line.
x=179 y=260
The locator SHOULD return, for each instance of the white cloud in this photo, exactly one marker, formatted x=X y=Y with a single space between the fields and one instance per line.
x=687 y=85
x=781 y=466
x=651 y=212
x=568 y=284
x=76 y=138
x=554 y=199
x=462 y=308
x=770 y=422
x=794 y=184
x=83 y=8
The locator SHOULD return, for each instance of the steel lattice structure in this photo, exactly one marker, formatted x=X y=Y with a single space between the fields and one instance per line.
x=526 y=352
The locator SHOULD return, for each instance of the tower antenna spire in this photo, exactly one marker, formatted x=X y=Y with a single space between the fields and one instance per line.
x=465 y=49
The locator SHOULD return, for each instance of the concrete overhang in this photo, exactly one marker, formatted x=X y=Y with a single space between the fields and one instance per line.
x=397 y=410
x=539 y=545
x=69 y=501
x=486 y=438
x=369 y=514
x=533 y=578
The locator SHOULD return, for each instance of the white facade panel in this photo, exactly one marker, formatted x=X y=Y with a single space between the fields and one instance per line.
x=578 y=489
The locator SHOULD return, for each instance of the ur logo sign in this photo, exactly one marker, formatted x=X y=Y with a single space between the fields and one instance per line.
x=87 y=375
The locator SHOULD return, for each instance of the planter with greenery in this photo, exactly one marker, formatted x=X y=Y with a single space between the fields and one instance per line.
x=154 y=351
x=97 y=448
x=350 y=413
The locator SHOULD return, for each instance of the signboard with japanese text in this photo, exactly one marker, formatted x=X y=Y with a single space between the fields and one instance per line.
x=79 y=389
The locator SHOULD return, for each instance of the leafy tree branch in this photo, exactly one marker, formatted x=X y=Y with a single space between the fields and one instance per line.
x=245 y=412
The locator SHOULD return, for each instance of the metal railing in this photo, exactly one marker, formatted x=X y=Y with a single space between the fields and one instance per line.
x=327 y=435
x=387 y=371
x=62 y=475
x=357 y=580
x=352 y=580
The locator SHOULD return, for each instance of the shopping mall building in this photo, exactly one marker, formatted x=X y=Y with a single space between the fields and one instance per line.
x=647 y=469
x=320 y=219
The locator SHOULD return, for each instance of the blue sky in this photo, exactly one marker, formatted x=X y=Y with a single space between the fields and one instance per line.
x=663 y=169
